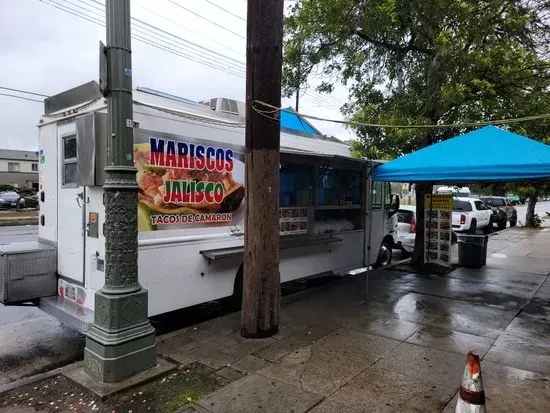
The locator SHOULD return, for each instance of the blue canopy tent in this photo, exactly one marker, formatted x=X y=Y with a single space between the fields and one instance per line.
x=486 y=154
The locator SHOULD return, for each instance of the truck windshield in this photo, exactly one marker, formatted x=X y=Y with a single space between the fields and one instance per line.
x=405 y=216
x=461 y=206
x=493 y=201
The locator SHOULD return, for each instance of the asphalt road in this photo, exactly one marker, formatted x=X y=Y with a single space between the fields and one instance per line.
x=18 y=233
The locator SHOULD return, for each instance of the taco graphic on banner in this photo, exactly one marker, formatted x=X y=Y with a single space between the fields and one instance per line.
x=184 y=184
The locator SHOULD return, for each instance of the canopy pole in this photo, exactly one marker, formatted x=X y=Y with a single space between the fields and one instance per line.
x=370 y=183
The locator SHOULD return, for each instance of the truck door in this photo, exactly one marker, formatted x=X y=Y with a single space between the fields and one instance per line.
x=379 y=224
x=71 y=209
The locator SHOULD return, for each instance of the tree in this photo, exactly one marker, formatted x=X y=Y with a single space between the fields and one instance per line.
x=532 y=191
x=7 y=187
x=421 y=62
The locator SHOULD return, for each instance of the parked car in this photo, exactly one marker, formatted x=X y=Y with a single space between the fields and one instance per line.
x=514 y=198
x=455 y=191
x=503 y=211
x=9 y=199
x=406 y=228
x=471 y=214
x=30 y=201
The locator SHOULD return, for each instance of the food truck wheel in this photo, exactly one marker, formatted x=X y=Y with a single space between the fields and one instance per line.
x=384 y=255
x=234 y=301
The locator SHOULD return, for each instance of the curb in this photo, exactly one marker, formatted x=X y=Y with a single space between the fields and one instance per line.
x=18 y=222
x=38 y=377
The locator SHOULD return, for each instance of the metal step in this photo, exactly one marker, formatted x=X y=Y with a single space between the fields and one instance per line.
x=70 y=314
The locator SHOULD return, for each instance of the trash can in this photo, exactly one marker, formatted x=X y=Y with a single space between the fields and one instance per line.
x=472 y=250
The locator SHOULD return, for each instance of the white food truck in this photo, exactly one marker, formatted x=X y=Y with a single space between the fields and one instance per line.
x=190 y=171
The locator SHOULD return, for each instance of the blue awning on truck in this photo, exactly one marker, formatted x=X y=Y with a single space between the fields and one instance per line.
x=293 y=121
x=486 y=154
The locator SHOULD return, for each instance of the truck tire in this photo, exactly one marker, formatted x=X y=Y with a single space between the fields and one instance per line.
x=489 y=228
x=473 y=226
x=384 y=255
x=234 y=302
x=513 y=223
x=502 y=224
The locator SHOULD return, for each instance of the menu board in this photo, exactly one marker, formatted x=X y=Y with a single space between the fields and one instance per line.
x=292 y=221
x=438 y=228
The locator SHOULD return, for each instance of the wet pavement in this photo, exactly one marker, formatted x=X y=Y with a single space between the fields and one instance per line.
x=397 y=346
x=18 y=233
x=33 y=342
x=400 y=350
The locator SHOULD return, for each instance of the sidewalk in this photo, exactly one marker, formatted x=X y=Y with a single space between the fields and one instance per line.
x=402 y=350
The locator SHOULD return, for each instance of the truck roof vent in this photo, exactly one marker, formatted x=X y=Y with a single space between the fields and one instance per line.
x=225 y=105
x=230 y=106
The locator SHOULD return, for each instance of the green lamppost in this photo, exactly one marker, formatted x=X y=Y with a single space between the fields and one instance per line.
x=121 y=342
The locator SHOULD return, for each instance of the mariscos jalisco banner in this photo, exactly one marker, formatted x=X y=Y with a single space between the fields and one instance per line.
x=186 y=183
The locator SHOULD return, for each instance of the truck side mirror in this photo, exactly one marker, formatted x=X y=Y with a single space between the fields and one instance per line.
x=395 y=205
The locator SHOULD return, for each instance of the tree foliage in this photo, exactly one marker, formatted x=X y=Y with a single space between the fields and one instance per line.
x=6 y=187
x=423 y=62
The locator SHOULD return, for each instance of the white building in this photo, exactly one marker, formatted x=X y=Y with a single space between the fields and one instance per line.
x=19 y=168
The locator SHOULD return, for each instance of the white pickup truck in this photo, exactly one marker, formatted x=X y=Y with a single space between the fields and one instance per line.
x=471 y=214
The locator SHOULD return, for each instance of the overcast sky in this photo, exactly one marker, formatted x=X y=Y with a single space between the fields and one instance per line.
x=47 y=50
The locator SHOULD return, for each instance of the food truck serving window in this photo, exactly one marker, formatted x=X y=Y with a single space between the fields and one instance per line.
x=338 y=186
x=69 y=160
x=296 y=182
x=338 y=199
x=319 y=196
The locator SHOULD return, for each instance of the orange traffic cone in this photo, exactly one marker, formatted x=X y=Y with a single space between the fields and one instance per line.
x=471 y=397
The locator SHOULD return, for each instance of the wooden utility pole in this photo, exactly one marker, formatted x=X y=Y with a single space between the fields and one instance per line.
x=261 y=281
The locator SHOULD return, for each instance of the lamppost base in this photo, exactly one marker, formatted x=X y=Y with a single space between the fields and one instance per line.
x=121 y=342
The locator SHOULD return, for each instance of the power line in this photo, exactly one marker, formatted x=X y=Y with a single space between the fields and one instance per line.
x=178 y=46
x=332 y=99
x=198 y=49
x=273 y=110
x=319 y=101
x=53 y=3
x=225 y=10
x=208 y=20
x=23 y=91
x=195 y=48
x=210 y=63
x=187 y=28
x=20 y=97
